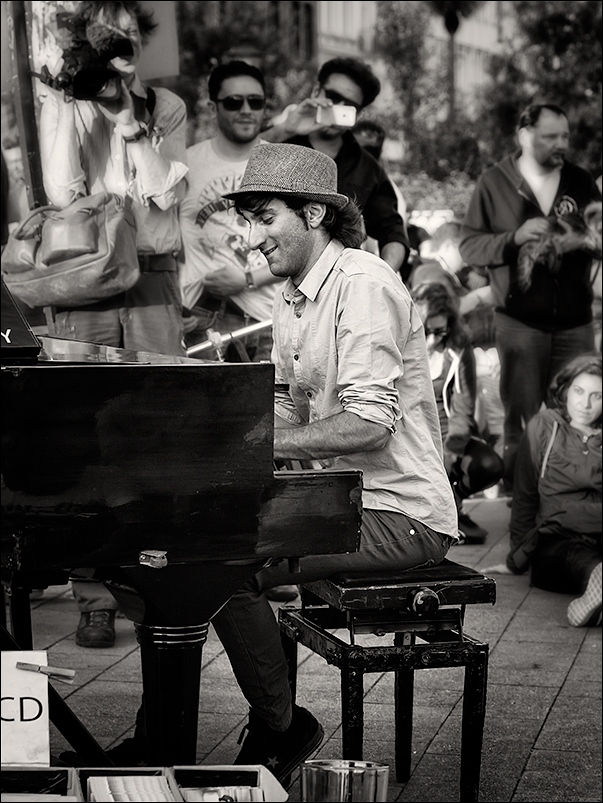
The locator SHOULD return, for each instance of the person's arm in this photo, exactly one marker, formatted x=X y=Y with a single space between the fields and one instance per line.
x=343 y=433
x=296 y=120
x=482 y=242
x=229 y=280
x=394 y=254
x=63 y=175
x=385 y=224
x=160 y=166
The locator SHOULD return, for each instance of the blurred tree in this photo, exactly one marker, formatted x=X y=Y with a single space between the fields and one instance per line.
x=555 y=57
x=432 y=141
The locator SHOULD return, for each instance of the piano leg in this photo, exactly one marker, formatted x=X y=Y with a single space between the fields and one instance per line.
x=171 y=668
x=166 y=605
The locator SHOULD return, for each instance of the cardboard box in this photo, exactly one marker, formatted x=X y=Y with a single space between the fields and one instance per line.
x=42 y=783
x=227 y=775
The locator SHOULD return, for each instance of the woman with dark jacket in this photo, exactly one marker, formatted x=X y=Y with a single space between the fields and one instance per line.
x=556 y=514
x=471 y=463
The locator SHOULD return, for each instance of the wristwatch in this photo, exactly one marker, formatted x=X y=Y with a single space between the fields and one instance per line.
x=142 y=132
x=249 y=280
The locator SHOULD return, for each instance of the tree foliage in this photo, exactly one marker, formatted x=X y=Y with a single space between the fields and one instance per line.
x=432 y=142
x=555 y=58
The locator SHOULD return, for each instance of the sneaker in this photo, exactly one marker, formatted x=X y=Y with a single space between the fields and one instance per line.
x=280 y=752
x=282 y=593
x=474 y=534
x=128 y=753
x=586 y=610
x=96 y=629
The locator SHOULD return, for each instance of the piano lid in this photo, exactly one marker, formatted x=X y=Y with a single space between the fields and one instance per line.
x=62 y=350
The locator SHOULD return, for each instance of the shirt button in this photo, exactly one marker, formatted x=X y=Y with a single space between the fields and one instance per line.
x=298 y=314
x=309 y=394
x=296 y=356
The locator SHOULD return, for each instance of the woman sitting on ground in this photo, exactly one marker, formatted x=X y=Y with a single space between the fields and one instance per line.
x=471 y=463
x=556 y=513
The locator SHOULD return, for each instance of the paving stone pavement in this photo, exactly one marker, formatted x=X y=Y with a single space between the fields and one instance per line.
x=542 y=738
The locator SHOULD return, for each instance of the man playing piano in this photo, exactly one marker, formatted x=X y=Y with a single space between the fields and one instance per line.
x=353 y=391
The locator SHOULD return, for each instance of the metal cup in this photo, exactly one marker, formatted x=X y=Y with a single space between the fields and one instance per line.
x=340 y=781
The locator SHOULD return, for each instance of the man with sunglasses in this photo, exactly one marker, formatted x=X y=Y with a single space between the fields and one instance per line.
x=225 y=285
x=349 y=82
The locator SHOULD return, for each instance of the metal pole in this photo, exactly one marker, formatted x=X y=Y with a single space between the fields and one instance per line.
x=226 y=338
x=18 y=13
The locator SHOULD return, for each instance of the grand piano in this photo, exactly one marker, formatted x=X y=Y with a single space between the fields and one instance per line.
x=158 y=473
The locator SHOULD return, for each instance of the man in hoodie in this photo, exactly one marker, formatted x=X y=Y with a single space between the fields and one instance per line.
x=545 y=319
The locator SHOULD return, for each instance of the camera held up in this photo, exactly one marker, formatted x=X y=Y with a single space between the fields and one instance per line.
x=88 y=49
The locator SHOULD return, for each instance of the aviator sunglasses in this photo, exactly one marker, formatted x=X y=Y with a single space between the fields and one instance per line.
x=234 y=103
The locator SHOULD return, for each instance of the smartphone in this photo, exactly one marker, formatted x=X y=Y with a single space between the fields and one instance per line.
x=344 y=116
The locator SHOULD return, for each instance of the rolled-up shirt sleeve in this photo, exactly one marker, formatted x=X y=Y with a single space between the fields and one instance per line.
x=168 y=138
x=369 y=359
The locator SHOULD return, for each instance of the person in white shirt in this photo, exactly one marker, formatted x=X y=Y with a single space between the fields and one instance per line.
x=225 y=285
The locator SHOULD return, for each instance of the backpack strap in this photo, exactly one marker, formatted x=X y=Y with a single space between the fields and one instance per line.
x=151 y=100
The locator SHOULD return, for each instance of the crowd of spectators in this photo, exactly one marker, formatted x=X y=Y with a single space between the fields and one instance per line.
x=507 y=293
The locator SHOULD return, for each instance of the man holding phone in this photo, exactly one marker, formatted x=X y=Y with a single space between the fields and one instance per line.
x=323 y=121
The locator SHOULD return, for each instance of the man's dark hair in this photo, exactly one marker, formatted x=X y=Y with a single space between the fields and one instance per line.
x=110 y=10
x=358 y=71
x=345 y=224
x=232 y=70
x=531 y=115
x=441 y=301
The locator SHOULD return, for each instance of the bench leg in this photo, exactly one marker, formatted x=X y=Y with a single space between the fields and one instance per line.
x=474 y=713
x=404 y=682
x=290 y=650
x=352 y=711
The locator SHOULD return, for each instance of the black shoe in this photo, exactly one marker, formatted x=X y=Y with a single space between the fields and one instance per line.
x=280 y=752
x=474 y=534
x=96 y=629
x=128 y=753
x=285 y=593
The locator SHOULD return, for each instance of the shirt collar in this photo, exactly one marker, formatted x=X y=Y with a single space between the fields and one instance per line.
x=317 y=275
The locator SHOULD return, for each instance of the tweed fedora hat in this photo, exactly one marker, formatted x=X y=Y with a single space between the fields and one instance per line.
x=293 y=170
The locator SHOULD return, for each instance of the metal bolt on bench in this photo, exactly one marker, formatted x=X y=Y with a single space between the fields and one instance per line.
x=426 y=604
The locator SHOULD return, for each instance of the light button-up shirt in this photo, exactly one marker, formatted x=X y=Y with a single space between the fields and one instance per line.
x=349 y=338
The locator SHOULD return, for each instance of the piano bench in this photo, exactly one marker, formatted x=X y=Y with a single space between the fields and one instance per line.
x=426 y=604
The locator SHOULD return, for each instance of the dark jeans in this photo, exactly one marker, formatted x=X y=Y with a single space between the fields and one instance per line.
x=563 y=562
x=529 y=359
x=248 y=629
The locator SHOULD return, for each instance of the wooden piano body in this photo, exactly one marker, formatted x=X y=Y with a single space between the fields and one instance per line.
x=160 y=476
